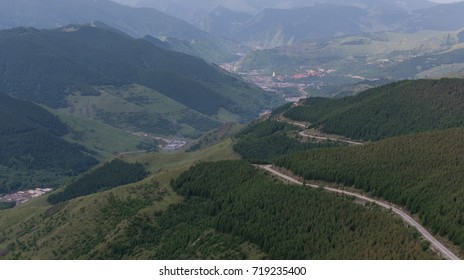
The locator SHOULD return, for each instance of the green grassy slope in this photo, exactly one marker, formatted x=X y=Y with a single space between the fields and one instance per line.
x=83 y=228
x=399 y=108
x=423 y=172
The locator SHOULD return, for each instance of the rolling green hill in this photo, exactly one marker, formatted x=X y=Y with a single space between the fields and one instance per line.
x=422 y=172
x=69 y=67
x=395 y=109
x=33 y=152
x=223 y=210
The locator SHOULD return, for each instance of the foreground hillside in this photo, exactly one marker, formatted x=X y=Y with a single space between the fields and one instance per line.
x=422 y=172
x=222 y=210
x=32 y=152
x=396 y=109
x=207 y=204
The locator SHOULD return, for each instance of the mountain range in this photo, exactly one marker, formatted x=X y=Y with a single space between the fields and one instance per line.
x=137 y=22
x=268 y=24
x=65 y=67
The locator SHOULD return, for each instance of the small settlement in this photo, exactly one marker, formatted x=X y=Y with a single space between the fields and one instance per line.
x=24 y=196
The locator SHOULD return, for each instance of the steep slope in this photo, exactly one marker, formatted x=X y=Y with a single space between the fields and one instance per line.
x=422 y=172
x=136 y=22
x=32 y=151
x=222 y=210
x=399 y=108
x=60 y=67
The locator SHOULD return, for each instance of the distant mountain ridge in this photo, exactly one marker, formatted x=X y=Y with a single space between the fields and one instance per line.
x=278 y=27
x=137 y=22
x=180 y=8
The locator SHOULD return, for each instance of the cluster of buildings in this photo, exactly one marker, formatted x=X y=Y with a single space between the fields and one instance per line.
x=172 y=145
x=24 y=196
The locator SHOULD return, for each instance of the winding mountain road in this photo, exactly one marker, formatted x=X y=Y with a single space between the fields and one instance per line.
x=303 y=134
x=403 y=215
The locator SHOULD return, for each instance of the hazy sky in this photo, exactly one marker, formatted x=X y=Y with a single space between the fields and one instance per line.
x=446 y=1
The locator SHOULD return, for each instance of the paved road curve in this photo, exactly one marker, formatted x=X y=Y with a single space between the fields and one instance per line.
x=303 y=134
x=408 y=219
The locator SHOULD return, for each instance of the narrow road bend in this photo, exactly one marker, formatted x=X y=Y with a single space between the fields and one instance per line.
x=403 y=215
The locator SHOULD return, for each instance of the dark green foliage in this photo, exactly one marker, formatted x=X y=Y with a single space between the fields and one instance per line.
x=6 y=205
x=396 y=109
x=183 y=232
x=110 y=175
x=281 y=109
x=423 y=172
x=46 y=66
x=31 y=143
x=268 y=140
x=285 y=221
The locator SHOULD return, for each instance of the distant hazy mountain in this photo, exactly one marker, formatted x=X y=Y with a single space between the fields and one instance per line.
x=276 y=27
x=65 y=67
x=136 y=22
x=441 y=17
x=276 y=22
x=222 y=21
x=220 y=17
x=181 y=7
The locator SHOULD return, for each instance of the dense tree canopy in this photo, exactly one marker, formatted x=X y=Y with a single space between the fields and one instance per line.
x=423 y=172
x=110 y=175
x=395 y=109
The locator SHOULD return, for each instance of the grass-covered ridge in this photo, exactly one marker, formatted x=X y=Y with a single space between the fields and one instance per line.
x=400 y=108
x=422 y=172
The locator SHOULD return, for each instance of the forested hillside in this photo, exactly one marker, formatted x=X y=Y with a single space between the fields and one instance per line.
x=65 y=67
x=423 y=172
x=110 y=175
x=291 y=222
x=267 y=140
x=395 y=109
x=32 y=152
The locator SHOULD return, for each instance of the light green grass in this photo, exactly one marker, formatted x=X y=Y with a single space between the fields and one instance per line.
x=41 y=231
x=118 y=106
x=101 y=138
